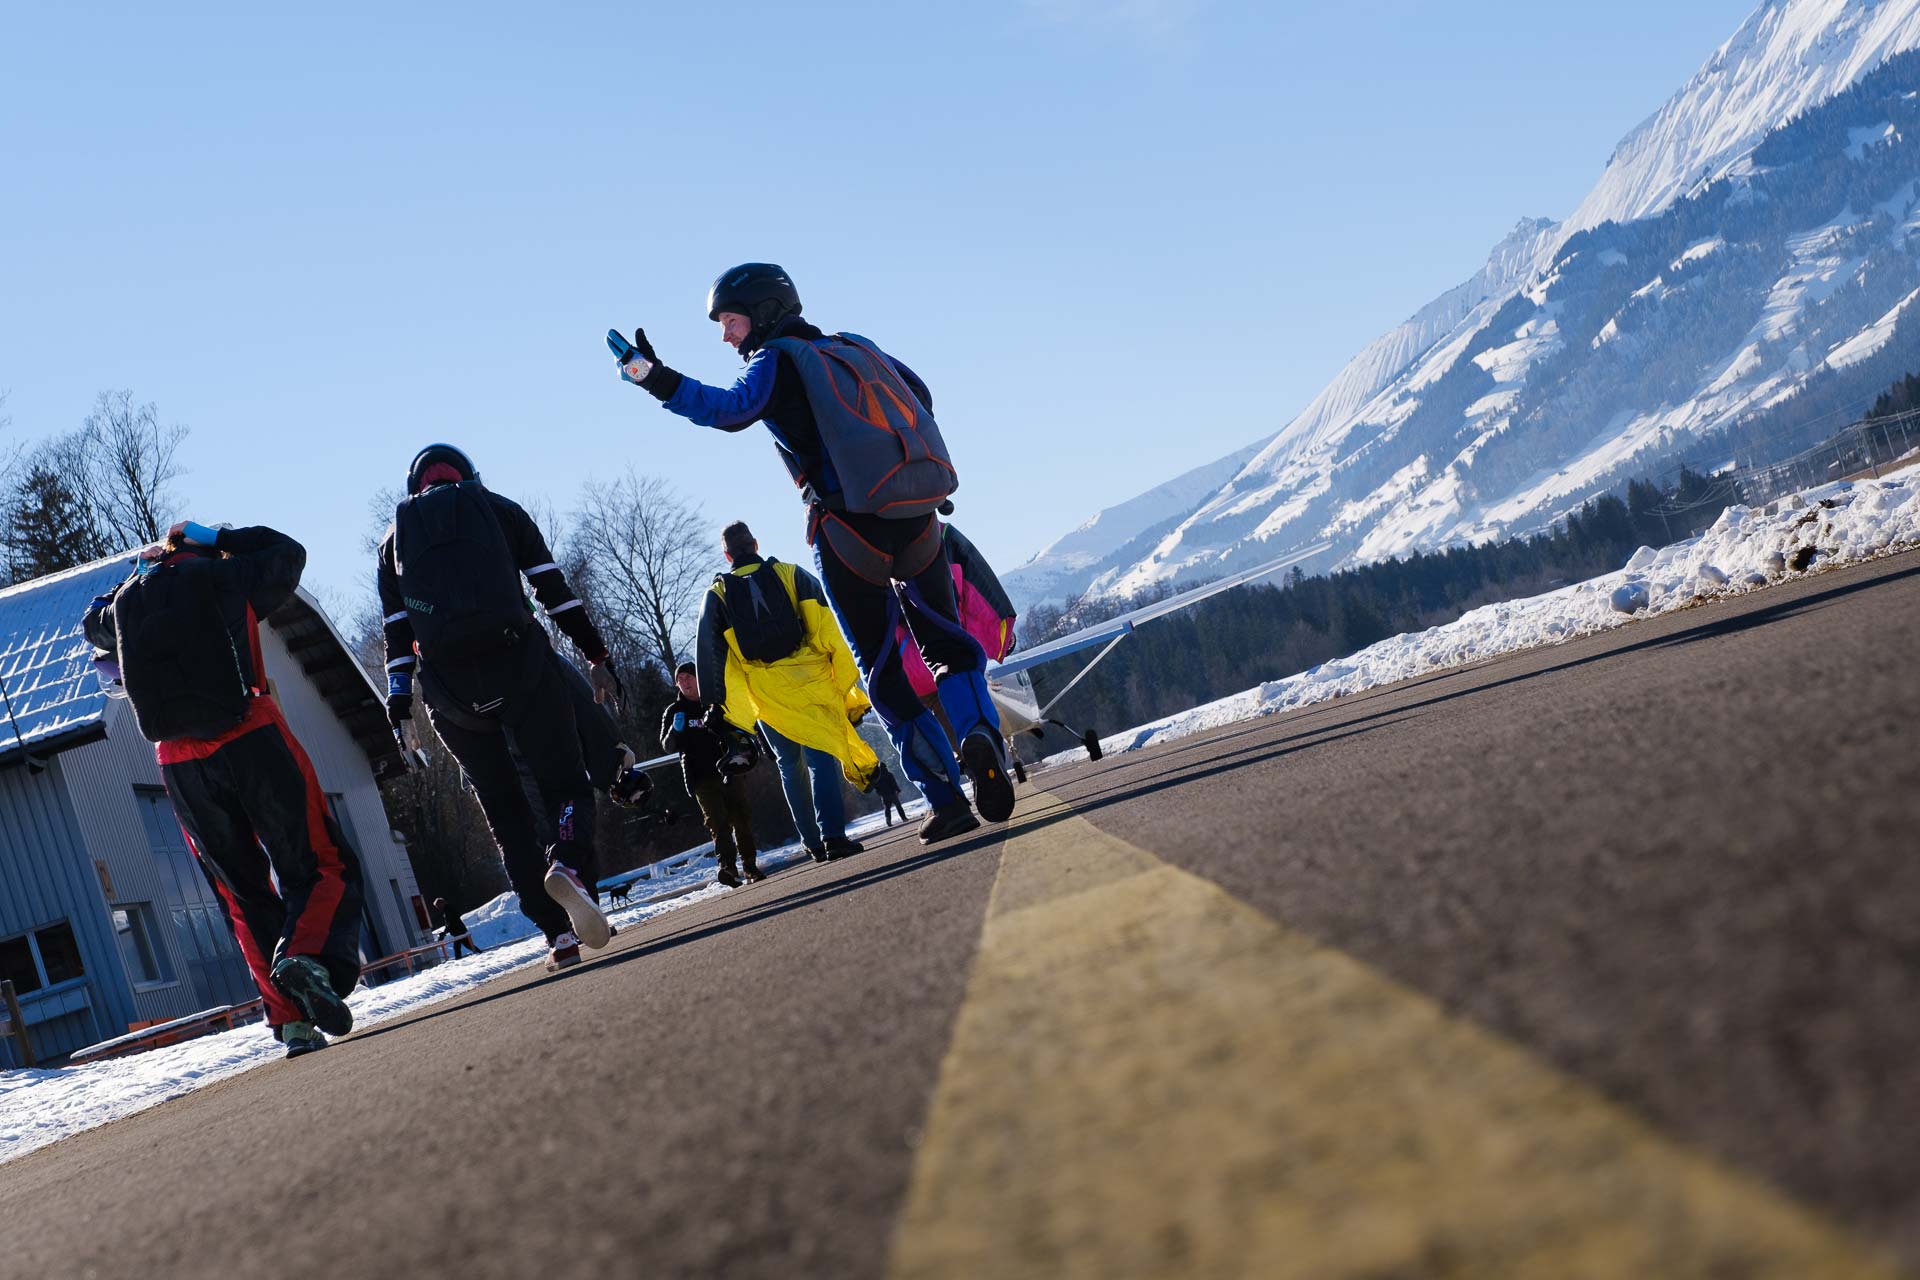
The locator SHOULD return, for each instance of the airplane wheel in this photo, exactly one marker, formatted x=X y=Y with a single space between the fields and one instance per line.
x=1091 y=741
x=1019 y=770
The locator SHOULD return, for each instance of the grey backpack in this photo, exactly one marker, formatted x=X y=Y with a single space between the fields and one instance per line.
x=883 y=443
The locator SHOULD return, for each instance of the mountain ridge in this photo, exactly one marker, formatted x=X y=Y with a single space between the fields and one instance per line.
x=1584 y=348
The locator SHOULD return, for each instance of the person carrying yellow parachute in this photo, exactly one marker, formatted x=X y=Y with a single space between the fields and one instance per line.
x=771 y=652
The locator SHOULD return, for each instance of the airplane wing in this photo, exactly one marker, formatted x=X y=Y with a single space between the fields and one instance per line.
x=1114 y=628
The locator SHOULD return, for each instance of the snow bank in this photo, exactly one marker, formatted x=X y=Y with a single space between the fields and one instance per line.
x=42 y=1106
x=1743 y=551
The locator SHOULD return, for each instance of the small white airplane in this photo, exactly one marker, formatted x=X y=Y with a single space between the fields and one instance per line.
x=1012 y=688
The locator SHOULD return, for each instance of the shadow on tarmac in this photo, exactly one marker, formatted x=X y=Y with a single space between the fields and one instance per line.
x=725 y=924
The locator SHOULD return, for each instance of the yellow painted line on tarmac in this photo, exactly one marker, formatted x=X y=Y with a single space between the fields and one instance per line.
x=1150 y=1078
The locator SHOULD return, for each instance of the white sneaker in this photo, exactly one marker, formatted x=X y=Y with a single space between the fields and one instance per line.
x=564 y=886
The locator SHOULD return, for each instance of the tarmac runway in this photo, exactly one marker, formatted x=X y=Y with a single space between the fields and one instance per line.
x=1596 y=960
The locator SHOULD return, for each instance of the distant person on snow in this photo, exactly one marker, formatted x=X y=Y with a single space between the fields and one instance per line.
x=771 y=653
x=456 y=930
x=855 y=429
x=709 y=755
x=185 y=629
x=887 y=787
x=449 y=580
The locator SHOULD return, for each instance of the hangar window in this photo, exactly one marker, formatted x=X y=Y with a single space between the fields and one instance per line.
x=41 y=957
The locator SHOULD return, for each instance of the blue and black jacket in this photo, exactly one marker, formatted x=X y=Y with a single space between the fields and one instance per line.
x=769 y=391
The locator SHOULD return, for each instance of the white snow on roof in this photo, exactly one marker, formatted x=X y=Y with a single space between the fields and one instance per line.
x=46 y=665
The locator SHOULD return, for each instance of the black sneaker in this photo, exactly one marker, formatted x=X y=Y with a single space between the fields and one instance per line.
x=300 y=1038
x=980 y=756
x=751 y=873
x=948 y=820
x=727 y=876
x=303 y=980
x=841 y=847
x=818 y=855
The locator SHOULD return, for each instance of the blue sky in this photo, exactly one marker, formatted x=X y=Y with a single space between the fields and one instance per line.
x=1118 y=238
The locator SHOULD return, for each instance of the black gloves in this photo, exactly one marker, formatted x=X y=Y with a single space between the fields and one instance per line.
x=399 y=705
x=606 y=682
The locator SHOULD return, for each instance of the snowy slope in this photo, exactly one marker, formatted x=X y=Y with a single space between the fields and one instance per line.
x=1067 y=564
x=1759 y=235
x=1788 y=56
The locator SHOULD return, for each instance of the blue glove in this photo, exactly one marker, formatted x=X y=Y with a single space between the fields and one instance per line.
x=199 y=533
x=679 y=721
x=636 y=358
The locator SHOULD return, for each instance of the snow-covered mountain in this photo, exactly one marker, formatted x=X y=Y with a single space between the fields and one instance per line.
x=1067 y=564
x=1757 y=238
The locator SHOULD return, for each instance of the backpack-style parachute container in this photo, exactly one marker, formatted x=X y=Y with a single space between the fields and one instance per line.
x=883 y=443
x=177 y=658
x=766 y=625
x=457 y=575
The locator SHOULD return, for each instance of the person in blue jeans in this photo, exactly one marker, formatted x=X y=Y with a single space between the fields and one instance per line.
x=810 y=779
x=771 y=654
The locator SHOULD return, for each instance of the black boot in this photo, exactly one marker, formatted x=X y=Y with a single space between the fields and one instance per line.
x=948 y=820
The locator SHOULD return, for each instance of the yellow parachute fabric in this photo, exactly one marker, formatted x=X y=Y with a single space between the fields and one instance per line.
x=812 y=696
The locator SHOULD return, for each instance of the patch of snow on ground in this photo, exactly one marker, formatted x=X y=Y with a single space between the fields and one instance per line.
x=43 y=1105
x=1858 y=140
x=1871 y=338
x=1745 y=550
x=1695 y=252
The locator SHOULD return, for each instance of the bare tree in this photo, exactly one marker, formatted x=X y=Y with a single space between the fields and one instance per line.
x=130 y=463
x=646 y=555
x=11 y=454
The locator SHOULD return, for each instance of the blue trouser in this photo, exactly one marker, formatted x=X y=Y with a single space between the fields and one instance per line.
x=810 y=778
x=869 y=614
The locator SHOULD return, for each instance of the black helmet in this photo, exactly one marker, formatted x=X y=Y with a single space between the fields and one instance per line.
x=760 y=291
x=741 y=754
x=633 y=788
x=438 y=453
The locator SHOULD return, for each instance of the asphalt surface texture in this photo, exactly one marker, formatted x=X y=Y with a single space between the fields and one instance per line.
x=1671 y=872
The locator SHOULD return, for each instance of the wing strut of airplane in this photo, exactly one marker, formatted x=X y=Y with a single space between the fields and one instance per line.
x=1012 y=688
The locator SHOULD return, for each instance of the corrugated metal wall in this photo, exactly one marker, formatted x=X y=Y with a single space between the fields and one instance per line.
x=343 y=770
x=46 y=876
x=56 y=825
x=101 y=777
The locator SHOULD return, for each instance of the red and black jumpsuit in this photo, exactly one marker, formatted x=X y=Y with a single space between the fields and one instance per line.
x=248 y=799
